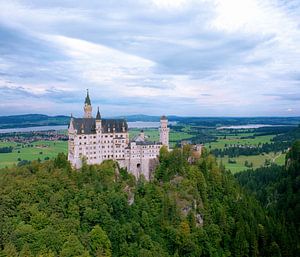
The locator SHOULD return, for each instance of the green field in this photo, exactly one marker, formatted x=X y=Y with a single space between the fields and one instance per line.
x=257 y=160
x=232 y=139
x=40 y=150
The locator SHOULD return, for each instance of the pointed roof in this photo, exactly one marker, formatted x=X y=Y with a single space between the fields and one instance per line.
x=88 y=125
x=87 y=98
x=164 y=117
x=98 y=116
x=71 y=125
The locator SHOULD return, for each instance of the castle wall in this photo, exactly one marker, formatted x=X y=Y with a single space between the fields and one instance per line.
x=140 y=157
x=97 y=147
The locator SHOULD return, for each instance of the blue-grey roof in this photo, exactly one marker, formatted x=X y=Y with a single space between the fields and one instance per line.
x=88 y=125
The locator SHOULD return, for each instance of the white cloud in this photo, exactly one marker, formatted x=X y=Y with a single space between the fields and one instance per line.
x=169 y=4
x=207 y=57
x=103 y=66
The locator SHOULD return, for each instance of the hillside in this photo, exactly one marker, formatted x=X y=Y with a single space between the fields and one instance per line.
x=30 y=120
x=198 y=209
x=278 y=190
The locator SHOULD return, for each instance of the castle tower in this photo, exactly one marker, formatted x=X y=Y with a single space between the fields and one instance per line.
x=87 y=106
x=98 y=121
x=98 y=124
x=164 y=131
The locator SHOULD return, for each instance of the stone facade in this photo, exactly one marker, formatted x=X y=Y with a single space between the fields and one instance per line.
x=97 y=139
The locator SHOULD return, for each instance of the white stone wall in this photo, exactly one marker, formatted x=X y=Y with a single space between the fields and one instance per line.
x=164 y=133
x=96 y=147
x=139 y=158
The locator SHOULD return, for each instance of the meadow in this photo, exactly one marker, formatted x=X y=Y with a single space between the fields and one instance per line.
x=257 y=160
x=32 y=151
x=41 y=150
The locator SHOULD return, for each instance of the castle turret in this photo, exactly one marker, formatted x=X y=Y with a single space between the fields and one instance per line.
x=98 y=121
x=142 y=135
x=87 y=106
x=164 y=131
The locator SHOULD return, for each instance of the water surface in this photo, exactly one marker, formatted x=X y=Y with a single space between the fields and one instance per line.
x=133 y=124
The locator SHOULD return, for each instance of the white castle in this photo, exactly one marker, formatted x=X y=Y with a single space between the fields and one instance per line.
x=97 y=139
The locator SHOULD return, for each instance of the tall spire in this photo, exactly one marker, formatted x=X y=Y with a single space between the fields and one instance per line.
x=87 y=98
x=98 y=116
x=87 y=106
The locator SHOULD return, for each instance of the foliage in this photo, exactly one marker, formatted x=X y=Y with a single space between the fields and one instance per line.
x=49 y=209
x=7 y=149
x=278 y=190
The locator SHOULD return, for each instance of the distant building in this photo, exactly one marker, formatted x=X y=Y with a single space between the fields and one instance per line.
x=196 y=150
x=97 y=139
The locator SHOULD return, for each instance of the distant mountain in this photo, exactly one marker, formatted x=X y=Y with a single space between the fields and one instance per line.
x=31 y=120
x=139 y=117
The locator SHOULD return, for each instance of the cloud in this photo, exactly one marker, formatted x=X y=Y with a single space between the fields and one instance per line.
x=188 y=57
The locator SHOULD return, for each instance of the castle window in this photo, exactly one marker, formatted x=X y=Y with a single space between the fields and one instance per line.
x=79 y=137
x=84 y=137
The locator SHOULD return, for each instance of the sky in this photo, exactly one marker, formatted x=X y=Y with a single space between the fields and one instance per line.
x=173 y=57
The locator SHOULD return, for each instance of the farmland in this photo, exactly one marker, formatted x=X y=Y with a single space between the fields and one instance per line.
x=211 y=137
x=37 y=150
x=239 y=162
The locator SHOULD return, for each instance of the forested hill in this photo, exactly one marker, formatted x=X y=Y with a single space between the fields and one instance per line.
x=31 y=120
x=48 y=209
x=278 y=190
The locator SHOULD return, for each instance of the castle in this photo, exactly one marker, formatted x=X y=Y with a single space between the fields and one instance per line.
x=97 y=139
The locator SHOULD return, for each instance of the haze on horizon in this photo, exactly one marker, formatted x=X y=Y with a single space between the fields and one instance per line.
x=180 y=57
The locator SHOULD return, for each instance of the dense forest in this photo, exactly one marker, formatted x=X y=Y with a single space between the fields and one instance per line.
x=278 y=190
x=199 y=209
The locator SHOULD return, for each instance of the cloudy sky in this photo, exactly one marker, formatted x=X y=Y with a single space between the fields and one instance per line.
x=183 y=57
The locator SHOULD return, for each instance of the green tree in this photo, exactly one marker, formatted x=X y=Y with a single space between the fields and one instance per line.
x=25 y=252
x=9 y=250
x=99 y=242
x=72 y=247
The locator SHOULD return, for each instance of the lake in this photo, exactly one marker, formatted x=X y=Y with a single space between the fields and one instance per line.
x=133 y=124
x=250 y=126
